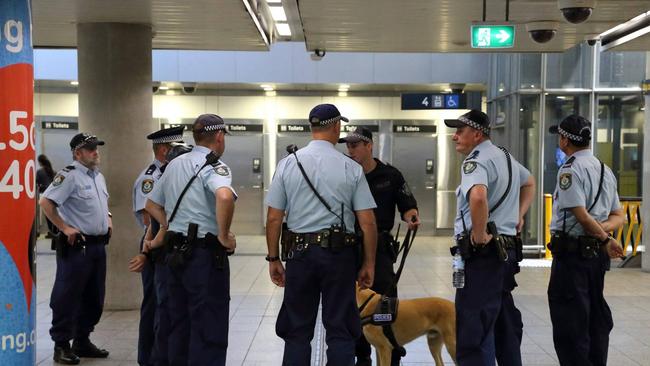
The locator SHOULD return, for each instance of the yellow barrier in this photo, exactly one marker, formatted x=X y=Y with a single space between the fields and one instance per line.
x=629 y=234
x=548 y=213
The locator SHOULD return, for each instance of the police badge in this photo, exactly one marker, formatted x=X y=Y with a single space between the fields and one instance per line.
x=147 y=186
x=222 y=170
x=58 y=180
x=469 y=167
x=565 y=181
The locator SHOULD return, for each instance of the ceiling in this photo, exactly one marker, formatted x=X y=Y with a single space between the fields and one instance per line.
x=332 y=25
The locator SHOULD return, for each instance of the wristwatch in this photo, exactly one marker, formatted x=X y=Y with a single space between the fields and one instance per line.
x=272 y=259
x=606 y=240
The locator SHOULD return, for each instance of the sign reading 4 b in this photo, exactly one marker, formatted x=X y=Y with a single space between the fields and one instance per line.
x=493 y=36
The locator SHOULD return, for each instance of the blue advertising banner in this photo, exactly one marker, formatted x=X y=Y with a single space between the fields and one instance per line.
x=17 y=186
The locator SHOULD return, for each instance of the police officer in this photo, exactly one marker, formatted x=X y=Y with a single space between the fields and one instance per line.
x=162 y=142
x=585 y=209
x=389 y=189
x=320 y=243
x=77 y=203
x=494 y=188
x=194 y=204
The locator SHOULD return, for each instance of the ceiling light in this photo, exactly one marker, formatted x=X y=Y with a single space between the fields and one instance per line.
x=343 y=94
x=278 y=14
x=269 y=88
x=283 y=29
x=169 y=92
x=447 y=90
x=500 y=89
x=270 y=93
x=264 y=86
x=274 y=1
x=75 y=83
x=163 y=87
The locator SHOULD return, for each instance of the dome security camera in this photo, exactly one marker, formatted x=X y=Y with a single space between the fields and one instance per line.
x=189 y=88
x=155 y=87
x=318 y=54
x=542 y=32
x=576 y=11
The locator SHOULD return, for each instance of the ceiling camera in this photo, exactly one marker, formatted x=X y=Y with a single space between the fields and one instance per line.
x=318 y=55
x=576 y=11
x=542 y=32
x=189 y=88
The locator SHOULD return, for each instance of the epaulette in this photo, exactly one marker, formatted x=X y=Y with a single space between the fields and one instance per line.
x=217 y=163
x=473 y=155
x=68 y=168
x=568 y=163
x=150 y=170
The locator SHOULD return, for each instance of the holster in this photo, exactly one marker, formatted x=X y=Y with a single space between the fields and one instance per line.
x=334 y=238
x=585 y=246
x=62 y=247
x=284 y=242
x=220 y=252
x=180 y=247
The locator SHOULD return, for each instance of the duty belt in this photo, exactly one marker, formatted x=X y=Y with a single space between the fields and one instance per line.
x=321 y=238
x=95 y=239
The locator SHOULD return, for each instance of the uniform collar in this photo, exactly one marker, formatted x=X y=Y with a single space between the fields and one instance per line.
x=83 y=168
x=321 y=143
x=483 y=145
x=201 y=149
x=585 y=153
x=157 y=163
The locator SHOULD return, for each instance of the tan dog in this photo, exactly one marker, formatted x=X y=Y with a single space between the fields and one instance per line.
x=432 y=316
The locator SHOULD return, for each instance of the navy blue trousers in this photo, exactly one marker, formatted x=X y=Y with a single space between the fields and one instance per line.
x=77 y=299
x=147 y=313
x=161 y=321
x=580 y=315
x=488 y=325
x=309 y=274
x=199 y=299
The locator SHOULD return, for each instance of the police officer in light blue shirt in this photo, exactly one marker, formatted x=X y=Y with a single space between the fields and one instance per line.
x=77 y=203
x=494 y=188
x=194 y=203
x=321 y=246
x=585 y=209
x=162 y=141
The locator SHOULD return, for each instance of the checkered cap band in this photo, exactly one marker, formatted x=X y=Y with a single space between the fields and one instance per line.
x=360 y=137
x=326 y=122
x=569 y=135
x=167 y=139
x=472 y=124
x=86 y=139
x=211 y=128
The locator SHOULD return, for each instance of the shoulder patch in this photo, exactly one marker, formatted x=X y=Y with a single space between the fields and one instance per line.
x=473 y=155
x=565 y=181
x=222 y=170
x=469 y=167
x=58 y=179
x=150 y=169
x=567 y=164
x=147 y=186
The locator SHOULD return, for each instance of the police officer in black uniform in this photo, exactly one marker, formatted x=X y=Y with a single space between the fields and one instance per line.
x=389 y=189
x=585 y=209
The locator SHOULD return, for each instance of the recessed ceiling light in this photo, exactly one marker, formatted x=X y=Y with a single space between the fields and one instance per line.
x=270 y=93
x=274 y=1
x=447 y=90
x=283 y=29
x=170 y=92
x=264 y=86
x=163 y=87
x=270 y=88
x=75 y=83
x=343 y=94
x=278 y=14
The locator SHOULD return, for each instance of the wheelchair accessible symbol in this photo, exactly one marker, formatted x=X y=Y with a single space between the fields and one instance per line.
x=451 y=101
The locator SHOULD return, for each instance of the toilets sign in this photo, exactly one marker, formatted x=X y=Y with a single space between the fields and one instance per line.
x=493 y=36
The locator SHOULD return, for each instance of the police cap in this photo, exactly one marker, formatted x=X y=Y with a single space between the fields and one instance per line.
x=361 y=133
x=325 y=114
x=167 y=135
x=474 y=119
x=84 y=140
x=574 y=127
x=209 y=123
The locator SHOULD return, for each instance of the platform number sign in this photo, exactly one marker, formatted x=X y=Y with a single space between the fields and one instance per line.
x=432 y=101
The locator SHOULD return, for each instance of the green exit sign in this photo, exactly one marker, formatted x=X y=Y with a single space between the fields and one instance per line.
x=493 y=36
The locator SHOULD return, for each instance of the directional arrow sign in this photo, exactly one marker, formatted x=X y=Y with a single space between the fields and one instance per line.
x=493 y=36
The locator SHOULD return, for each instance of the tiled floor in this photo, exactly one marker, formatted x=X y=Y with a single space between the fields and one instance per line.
x=256 y=301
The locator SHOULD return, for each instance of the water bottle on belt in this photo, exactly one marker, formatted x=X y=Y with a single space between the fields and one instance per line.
x=458 y=267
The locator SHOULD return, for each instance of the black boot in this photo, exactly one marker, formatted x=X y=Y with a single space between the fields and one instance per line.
x=64 y=355
x=85 y=348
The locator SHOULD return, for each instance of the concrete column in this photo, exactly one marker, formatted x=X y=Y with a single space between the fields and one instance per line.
x=645 y=170
x=115 y=103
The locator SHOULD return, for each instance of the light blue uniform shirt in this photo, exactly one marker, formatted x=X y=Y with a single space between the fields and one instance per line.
x=336 y=177
x=577 y=186
x=143 y=186
x=199 y=203
x=82 y=198
x=487 y=165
